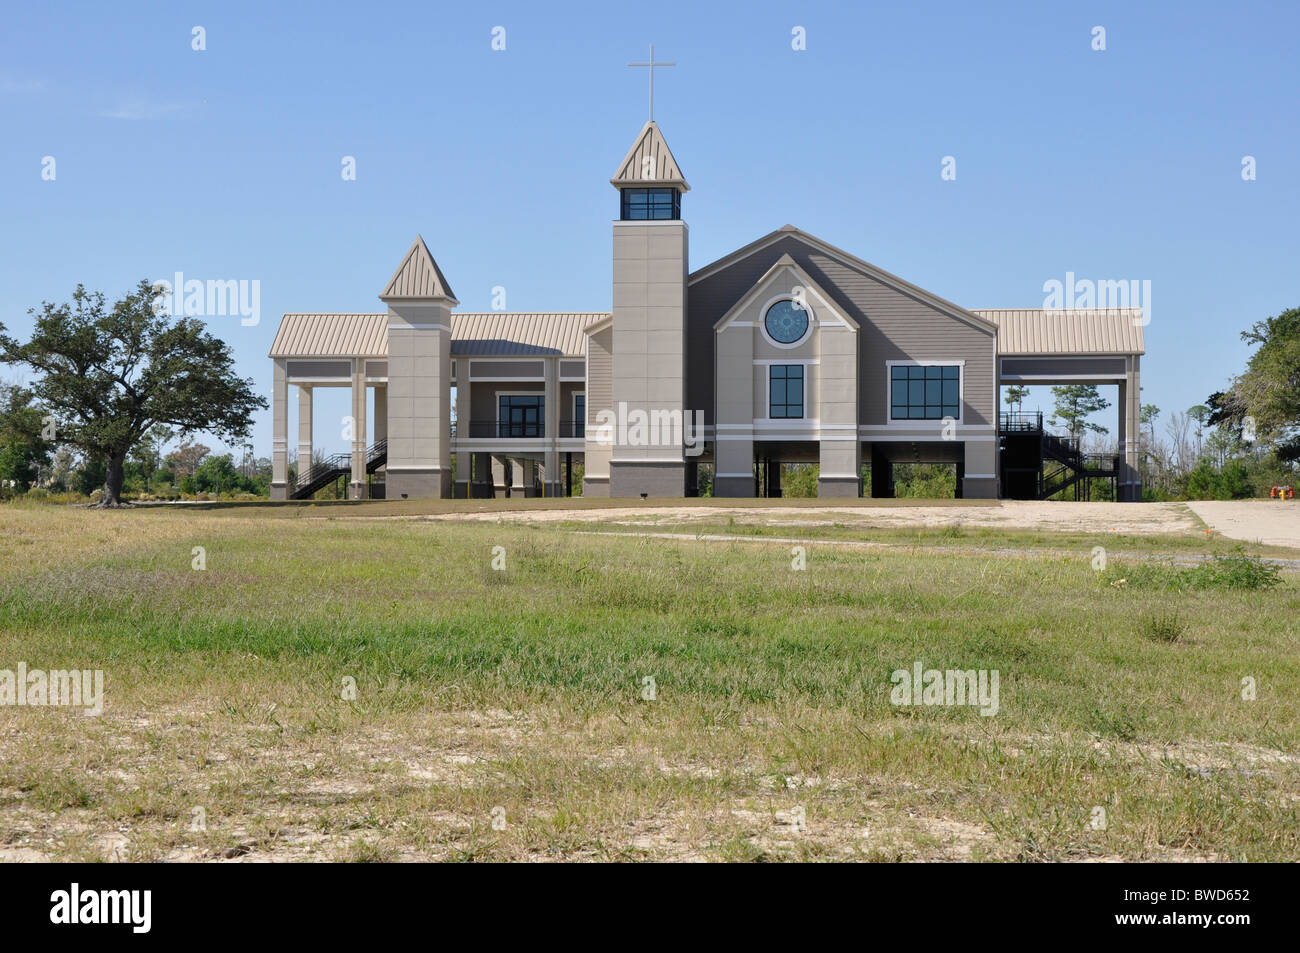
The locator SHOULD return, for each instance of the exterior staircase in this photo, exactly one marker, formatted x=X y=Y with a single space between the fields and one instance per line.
x=325 y=472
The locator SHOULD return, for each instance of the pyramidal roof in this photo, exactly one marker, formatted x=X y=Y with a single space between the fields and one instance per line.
x=418 y=276
x=649 y=163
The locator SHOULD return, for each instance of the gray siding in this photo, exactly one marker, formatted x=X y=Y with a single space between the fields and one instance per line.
x=895 y=327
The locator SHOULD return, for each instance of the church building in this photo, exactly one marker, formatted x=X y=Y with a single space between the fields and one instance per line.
x=788 y=350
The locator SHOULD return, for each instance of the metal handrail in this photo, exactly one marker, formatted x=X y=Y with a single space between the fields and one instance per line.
x=506 y=429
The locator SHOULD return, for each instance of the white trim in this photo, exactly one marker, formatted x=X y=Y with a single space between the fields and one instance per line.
x=912 y=421
x=979 y=476
x=839 y=476
x=734 y=476
x=806 y=361
x=923 y=438
x=767 y=395
x=680 y=459
x=762 y=321
x=857 y=264
x=1049 y=378
x=921 y=425
x=419 y=327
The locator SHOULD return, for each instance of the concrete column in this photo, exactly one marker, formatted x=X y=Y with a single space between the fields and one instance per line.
x=1130 y=432
x=551 y=457
x=733 y=472
x=517 y=486
x=381 y=412
x=304 y=431
x=357 y=488
x=979 y=475
x=279 y=433
x=462 y=429
x=498 y=476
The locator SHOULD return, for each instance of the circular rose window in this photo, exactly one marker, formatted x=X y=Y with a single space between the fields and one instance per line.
x=786 y=322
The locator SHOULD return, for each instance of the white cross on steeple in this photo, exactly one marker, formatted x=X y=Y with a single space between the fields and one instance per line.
x=652 y=64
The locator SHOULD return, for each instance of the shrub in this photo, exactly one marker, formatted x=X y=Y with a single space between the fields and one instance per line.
x=1163 y=627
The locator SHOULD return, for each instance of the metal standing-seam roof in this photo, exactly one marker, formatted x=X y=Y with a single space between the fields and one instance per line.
x=649 y=154
x=484 y=333
x=1067 y=331
x=418 y=276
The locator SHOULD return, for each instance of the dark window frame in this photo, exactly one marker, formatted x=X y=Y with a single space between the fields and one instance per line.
x=786 y=379
x=508 y=426
x=925 y=391
x=650 y=204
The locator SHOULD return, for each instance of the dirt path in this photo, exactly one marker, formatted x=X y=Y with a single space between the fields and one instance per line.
x=1132 y=518
x=1271 y=522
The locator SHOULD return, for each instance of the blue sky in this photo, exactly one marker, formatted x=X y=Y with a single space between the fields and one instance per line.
x=225 y=163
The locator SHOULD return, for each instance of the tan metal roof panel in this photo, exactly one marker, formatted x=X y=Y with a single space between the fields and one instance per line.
x=418 y=276
x=1067 y=331
x=649 y=163
x=485 y=334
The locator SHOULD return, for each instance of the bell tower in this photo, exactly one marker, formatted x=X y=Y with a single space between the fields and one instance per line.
x=419 y=301
x=649 y=321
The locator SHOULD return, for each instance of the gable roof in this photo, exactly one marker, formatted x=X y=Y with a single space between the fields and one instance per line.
x=1067 y=331
x=785 y=262
x=418 y=276
x=649 y=154
x=484 y=333
x=852 y=261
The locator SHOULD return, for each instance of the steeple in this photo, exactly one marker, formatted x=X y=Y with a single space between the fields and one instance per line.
x=418 y=277
x=649 y=163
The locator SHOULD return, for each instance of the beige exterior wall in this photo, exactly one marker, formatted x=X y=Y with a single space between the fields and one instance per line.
x=419 y=399
x=600 y=396
x=828 y=355
x=279 y=431
x=649 y=348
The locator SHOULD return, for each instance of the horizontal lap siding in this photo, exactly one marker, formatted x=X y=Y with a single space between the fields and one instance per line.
x=894 y=327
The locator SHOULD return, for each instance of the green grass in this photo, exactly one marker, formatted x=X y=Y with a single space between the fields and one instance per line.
x=523 y=690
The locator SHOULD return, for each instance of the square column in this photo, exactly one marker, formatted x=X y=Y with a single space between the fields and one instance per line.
x=498 y=476
x=553 y=486
x=462 y=457
x=304 y=431
x=1130 y=432
x=979 y=478
x=279 y=433
x=357 y=488
x=381 y=412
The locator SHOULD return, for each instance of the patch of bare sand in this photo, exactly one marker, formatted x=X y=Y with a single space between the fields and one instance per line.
x=1271 y=522
x=1145 y=519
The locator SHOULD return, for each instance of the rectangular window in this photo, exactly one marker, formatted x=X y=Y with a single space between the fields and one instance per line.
x=785 y=391
x=521 y=416
x=643 y=204
x=929 y=392
x=579 y=415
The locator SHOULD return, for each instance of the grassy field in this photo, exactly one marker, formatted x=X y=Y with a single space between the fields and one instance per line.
x=506 y=714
